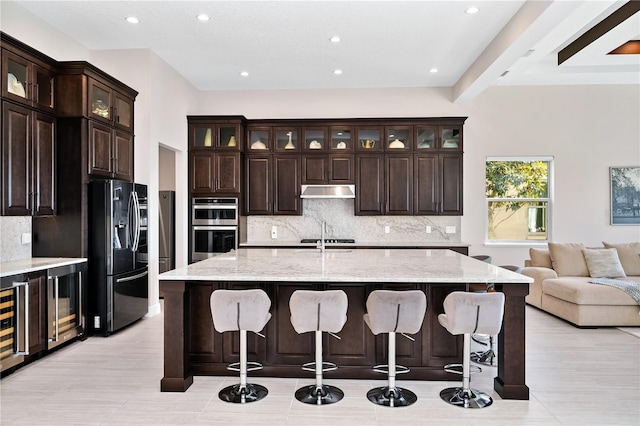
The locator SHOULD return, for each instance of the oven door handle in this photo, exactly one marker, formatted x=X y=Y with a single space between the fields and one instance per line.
x=214 y=228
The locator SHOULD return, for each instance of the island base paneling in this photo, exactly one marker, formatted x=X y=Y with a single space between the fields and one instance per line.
x=283 y=351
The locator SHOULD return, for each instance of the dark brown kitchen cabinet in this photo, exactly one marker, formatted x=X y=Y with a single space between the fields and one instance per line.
x=369 y=184
x=399 y=184
x=220 y=133
x=28 y=162
x=215 y=172
x=108 y=105
x=257 y=185
x=37 y=312
x=110 y=152
x=324 y=169
x=272 y=185
x=438 y=184
x=286 y=189
x=27 y=79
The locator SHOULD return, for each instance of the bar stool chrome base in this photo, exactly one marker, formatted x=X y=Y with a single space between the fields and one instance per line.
x=392 y=397
x=469 y=398
x=243 y=394
x=319 y=395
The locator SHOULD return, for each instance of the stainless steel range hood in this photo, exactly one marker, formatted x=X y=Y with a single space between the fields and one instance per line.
x=328 y=191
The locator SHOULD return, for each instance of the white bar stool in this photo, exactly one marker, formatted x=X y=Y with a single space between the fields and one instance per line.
x=318 y=311
x=241 y=310
x=467 y=313
x=394 y=312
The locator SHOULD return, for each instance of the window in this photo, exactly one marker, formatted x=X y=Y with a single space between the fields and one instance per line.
x=518 y=192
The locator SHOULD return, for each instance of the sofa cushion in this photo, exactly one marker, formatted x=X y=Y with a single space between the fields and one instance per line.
x=567 y=259
x=580 y=291
x=603 y=263
x=540 y=258
x=629 y=254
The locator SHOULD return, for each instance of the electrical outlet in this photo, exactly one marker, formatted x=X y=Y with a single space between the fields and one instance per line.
x=274 y=232
x=450 y=229
x=26 y=238
x=428 y=229
x=387 y=229
x=96 y=322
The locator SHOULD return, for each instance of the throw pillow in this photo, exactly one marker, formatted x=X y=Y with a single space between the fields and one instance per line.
x=603 y=263
x=540 y=258
x=567 y=259
x=629 y=254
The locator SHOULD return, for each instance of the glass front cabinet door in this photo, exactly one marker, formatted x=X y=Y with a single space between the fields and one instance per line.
x=27 y=82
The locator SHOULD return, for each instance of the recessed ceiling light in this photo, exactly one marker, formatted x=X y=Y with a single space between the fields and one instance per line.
x=337 y=72
x=203 y=17
x=132 y=20
x=472 y=10
x=244 y=73
x=335 y=39
x=433 y=70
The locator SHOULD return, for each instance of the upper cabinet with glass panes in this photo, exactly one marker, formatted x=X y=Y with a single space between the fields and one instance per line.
x=438 y=138
x=450 y=138
x=107 y=104
x=223 y=136
x=27 y=81
x=341 y=138
x=398 y=138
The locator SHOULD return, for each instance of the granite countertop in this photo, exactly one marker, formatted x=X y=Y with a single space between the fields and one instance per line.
x=344 y=265
x=15 y=267
x=297 y=243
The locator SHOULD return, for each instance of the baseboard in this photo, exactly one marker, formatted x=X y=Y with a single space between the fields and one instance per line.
x=153 y=310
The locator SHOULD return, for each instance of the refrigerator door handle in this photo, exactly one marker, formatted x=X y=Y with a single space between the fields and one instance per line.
x=137 y=221
x=132 y=278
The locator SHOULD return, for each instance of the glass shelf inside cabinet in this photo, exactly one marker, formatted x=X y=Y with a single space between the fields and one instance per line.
x=341 y=139
x=227 y=136
x=203 y=137
x=398 y=139
x=314 y=139
x=426 y=138
x=450 y=138
x=100 y=102
x=16 y=78
x=258 y=140
x=286 y=140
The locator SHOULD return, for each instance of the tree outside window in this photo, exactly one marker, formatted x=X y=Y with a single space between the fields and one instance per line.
x=518 y=200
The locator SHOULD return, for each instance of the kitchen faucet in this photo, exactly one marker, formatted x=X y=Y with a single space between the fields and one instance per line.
x=323 y=231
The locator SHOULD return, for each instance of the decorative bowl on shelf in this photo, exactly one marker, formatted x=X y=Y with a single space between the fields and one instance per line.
x=314 y=145
x=450 y=143
x=341 y=145
x=15 y=87
x=258 y=145
x=396 y=144
x=100 y=108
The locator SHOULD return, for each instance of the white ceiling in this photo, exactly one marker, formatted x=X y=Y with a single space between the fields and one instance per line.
x=285 y=44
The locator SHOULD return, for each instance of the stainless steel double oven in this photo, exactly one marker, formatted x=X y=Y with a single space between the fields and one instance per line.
x=214 y=227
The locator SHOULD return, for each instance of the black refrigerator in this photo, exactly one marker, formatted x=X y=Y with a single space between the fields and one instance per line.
x=118 y=255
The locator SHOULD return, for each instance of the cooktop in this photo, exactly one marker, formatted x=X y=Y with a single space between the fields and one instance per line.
x=329 y=240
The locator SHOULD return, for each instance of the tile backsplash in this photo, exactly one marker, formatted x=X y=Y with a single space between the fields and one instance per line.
x=342 y=223
x=11 y=230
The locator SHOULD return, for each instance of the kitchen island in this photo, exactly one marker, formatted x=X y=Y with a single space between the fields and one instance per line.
x=192 y=347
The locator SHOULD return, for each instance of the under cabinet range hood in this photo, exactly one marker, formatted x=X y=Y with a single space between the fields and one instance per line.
x=328 y=191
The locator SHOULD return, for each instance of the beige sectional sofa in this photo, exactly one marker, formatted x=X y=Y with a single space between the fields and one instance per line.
x=562 y=286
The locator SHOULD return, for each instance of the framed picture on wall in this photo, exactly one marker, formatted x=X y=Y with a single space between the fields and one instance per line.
x=625 y=195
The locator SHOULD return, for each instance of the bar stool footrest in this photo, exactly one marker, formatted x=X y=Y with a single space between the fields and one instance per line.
x=392 y=397
x=457 y=369
x=251 y=366
x=326 y=366
x=384 y=368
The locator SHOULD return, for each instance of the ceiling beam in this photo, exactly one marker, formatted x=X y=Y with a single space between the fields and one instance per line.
x=607 y=24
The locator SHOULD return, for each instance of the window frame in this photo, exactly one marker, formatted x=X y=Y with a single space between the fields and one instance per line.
x=548 y=200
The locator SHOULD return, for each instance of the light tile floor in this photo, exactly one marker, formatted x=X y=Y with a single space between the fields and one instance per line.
x=576 y=377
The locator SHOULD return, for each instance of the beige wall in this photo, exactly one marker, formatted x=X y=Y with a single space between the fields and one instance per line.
x=586 y=129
